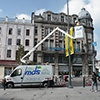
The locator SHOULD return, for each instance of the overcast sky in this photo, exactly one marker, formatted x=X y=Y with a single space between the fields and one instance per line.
x=24 y=8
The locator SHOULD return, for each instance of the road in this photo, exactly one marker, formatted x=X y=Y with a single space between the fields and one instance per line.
x=59 y=93
x=76 y=82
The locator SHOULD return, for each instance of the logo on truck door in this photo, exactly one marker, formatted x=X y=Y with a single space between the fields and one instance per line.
x=30 y=71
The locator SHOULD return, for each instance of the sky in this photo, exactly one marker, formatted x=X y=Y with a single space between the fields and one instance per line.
x=24 y=8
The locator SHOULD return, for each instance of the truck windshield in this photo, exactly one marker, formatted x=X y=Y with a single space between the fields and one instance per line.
x=17 y=72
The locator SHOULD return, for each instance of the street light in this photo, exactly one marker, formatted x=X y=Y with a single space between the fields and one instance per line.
x=70 y=85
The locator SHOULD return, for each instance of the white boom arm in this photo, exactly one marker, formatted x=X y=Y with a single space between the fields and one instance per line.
x=34 y=48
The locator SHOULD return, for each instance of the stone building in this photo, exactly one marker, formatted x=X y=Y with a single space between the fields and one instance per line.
x=52 y=49
x=12 y=33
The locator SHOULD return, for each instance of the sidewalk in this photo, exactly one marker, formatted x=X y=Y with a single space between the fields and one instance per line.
x=58 y=93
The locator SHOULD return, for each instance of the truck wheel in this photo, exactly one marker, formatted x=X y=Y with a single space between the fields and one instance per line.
x=10 y=85
x=45 y=85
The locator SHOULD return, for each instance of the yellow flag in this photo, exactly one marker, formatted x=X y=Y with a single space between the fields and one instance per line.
x=71 y=42
x=66 y=45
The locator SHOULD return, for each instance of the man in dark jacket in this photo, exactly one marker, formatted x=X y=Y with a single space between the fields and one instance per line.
x=94 y=82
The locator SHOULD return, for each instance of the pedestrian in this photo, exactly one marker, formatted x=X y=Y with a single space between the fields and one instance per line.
x=94 y=81
x=62 y=76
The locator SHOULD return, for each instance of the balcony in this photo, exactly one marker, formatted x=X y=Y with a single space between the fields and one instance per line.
x=53 y=50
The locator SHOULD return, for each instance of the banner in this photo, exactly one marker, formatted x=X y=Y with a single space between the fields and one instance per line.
x=79 y=32
x=71 y=42
x=66 y=45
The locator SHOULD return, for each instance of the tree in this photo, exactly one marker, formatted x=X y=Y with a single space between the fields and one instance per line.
x=20 y=54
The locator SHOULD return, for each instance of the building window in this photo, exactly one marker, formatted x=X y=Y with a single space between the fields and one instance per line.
x=61 y=59
x=35 y=42
x=89 y=46
x=16 y=54
x=51 y=43
x=49 y=17
x=51 y=29
x=0 y=30
x=19 y=31
x=77 y=59
x=10 y=31
x=89 y=35
x=9 y=41
x=62 y=18
x=27 y=42
x=36 y=30
x=74 y=20
x=46 y=31
x=60 y=33
x=78 y=45
x=90 y=59
x=27 y=32
x=18 y=41
x=49 y=58
x=8 y=53
x=35 y=57
x=60 y=44
x=46 y=44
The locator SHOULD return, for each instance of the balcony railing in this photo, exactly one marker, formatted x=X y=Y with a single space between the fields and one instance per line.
x=15 y=20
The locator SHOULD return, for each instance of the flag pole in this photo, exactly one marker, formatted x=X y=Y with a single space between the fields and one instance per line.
x=70 y=85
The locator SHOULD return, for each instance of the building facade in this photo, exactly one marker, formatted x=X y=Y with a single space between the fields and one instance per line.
x=14 y=32
x=52 y=49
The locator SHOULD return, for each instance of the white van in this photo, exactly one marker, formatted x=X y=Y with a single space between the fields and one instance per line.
x=30 y=75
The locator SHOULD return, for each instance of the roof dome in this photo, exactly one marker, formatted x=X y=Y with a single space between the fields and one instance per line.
x=83 y=14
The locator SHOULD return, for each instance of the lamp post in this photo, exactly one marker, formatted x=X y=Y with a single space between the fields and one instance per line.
x=70 y=85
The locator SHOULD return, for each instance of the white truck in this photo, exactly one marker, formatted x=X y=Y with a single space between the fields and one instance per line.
x=30 y=75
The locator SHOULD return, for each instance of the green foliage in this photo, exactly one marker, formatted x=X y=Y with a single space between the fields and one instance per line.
x=20 y=54
x=32 y=63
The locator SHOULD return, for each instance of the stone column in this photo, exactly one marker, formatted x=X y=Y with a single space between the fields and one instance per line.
x=2 y=68
x=39 y=58
x=85 y=68
x=56 y=64
x=83 y=65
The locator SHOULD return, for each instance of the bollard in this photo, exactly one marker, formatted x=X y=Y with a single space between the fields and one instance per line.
x=84 y=81
x=4 y=83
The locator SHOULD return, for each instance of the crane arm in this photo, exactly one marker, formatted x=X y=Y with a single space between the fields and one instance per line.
x=34 y=48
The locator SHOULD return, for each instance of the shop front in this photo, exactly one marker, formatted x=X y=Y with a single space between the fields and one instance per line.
x=6 y=67
x=63 y=69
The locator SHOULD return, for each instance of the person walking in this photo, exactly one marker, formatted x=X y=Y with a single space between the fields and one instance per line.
x=94 y=82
